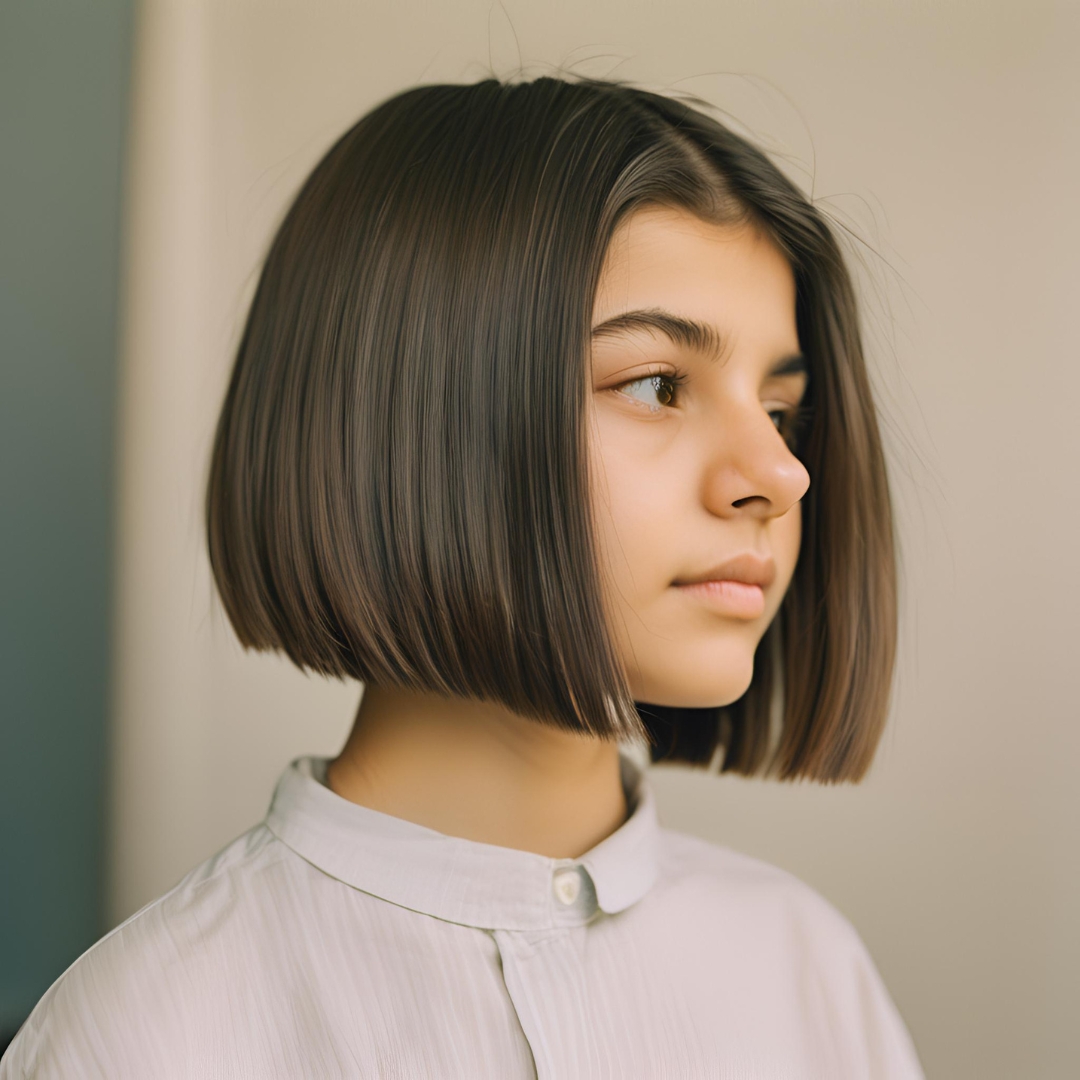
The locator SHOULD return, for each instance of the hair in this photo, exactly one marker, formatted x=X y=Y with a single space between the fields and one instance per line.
x=398 y=489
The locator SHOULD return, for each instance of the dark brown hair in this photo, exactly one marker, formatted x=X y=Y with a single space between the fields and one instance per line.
x=398 y=490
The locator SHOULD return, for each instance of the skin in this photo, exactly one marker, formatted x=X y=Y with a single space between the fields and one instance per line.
x=684 y=487
x=684 y=477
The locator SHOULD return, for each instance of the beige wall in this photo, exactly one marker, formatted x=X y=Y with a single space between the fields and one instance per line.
x=946 y=134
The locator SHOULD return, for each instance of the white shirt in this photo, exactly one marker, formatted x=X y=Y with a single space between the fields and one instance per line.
x=332 y=940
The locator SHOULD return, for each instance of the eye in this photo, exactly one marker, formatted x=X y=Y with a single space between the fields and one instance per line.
x=793 y=423
x=655 y=391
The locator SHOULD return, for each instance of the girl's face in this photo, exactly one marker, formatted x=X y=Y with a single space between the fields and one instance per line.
x=696 y=375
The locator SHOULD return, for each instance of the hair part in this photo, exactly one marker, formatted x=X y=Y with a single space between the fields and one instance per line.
x=398 y=488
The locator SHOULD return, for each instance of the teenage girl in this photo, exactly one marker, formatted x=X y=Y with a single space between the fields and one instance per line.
x=550 y=424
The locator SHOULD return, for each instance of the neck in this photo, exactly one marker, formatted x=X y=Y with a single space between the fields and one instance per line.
x=475 y=770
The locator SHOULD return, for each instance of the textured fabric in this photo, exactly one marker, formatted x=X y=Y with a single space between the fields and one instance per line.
x=333 y=940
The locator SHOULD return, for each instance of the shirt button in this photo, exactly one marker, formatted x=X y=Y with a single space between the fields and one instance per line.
x=567 y=886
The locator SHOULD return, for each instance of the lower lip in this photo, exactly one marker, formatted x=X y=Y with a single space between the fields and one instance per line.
x=730 y=597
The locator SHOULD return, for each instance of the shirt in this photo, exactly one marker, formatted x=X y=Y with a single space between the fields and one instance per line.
x=333 y=940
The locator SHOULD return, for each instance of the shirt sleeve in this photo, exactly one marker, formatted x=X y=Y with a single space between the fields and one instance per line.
x=70 y=1035
x=868 y=1034
x=112 y=1014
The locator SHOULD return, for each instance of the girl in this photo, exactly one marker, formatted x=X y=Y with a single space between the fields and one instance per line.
x=550 y=424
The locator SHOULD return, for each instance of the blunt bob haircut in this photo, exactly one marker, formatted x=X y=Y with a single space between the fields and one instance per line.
x=399 y=491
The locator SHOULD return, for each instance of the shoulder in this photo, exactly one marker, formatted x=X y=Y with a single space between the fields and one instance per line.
x=726 y=878
x=125 y=1007
x=757 y=897
x=746 y=914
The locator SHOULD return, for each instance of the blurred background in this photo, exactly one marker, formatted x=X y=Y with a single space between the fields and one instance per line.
x=147 y=150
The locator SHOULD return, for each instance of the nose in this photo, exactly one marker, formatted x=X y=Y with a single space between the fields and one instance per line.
x=750 y=469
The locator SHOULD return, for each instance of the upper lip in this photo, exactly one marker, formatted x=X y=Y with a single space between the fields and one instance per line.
x=748 y=567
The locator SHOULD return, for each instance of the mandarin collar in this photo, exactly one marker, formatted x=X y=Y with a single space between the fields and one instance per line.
x=466 y=881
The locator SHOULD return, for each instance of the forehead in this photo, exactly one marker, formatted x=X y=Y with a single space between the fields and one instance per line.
x=732 y=276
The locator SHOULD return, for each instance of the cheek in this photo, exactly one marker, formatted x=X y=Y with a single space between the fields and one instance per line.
x=633 y=511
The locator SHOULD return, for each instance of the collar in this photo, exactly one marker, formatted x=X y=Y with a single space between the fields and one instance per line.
x=465 y=881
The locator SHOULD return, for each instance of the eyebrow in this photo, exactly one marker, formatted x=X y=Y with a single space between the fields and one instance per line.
x=691 y=334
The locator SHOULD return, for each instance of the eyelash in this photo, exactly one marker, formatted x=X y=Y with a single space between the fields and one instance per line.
x=794 y=419
x=675 y=381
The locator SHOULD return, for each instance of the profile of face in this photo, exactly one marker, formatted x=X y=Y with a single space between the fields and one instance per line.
x=696 y=376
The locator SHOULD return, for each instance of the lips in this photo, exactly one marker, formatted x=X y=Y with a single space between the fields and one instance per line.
x=747 y=567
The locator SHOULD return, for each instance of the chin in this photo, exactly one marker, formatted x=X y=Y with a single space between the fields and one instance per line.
x=713 y=683
x=705 y=699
